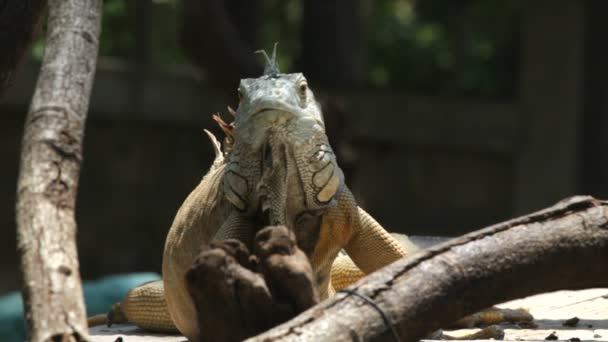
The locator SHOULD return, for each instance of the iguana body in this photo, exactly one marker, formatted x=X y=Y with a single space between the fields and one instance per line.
x=277 y=169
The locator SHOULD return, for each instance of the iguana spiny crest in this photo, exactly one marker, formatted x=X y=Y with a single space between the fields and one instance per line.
x=280 y=168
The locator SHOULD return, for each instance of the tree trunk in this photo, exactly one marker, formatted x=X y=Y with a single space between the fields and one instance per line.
x=563 y=247
x=50 y=165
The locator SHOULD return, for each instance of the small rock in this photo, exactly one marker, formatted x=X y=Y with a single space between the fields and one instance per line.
x=597 y=336
x=119 y=339
x=572 y=322
x=574 y=339
x=552 y=337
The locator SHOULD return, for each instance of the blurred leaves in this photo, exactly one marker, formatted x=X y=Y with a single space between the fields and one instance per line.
x=442 y=46
x=431 y=46
x=281 y=23
x=118 y=37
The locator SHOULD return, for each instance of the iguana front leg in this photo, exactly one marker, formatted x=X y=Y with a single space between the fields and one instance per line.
x=177 y=261
x=146 y=306
x=237 y=295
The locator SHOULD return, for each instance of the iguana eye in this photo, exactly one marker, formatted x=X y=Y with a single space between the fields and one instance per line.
x=302 y=89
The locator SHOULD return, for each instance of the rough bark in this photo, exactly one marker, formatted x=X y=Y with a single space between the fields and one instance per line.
x=48 y=177
x=563 y=247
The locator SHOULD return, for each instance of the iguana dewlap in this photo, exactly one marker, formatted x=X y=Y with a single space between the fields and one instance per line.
x=276 y=168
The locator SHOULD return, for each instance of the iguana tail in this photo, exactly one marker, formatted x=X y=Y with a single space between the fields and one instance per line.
x=96 y=320
x=143 y=306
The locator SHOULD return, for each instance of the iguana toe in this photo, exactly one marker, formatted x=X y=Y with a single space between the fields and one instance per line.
x=286 y=268
x=115 y=315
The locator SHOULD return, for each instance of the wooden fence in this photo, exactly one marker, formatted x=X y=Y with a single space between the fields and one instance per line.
x=421 y=164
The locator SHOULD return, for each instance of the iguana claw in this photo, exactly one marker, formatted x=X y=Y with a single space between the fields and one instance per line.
x=115 y=315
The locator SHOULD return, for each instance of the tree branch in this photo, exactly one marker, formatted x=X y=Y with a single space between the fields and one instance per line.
x=50 y=166
x=563 y=247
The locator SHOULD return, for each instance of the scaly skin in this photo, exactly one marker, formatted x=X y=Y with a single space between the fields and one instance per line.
x=277 y=168
x=196 y=223
x=343 y=226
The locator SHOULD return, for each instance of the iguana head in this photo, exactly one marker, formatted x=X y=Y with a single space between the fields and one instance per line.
x=281 y=165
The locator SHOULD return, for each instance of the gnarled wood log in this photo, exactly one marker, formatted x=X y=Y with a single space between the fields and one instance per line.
x=48 y=177
x=563 y=247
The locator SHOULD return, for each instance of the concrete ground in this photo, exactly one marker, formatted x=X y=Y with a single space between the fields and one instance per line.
x=550 y=310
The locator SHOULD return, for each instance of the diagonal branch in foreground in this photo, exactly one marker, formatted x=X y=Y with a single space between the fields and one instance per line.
x=562 y=247
x=48 y=177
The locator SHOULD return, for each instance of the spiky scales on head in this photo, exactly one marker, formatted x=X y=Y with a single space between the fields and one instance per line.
x=272 y=66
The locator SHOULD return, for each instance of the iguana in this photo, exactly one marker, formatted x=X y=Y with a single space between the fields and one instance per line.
x=275 y=167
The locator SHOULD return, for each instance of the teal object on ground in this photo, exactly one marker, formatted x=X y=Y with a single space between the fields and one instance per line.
x=99 y=295
x=12 y=327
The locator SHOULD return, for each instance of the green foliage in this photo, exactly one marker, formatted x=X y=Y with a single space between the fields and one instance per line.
x=434 y=46
x=164 y=45
x=453 y=47
x=119 y=26
x=118 y=37
x=282 y=23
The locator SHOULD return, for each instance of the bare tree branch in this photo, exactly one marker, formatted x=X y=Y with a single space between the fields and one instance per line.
x=50 y=165
x=563 y=247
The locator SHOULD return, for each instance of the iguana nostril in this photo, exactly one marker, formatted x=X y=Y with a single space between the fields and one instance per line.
x=267 y=155
x=266 y=218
